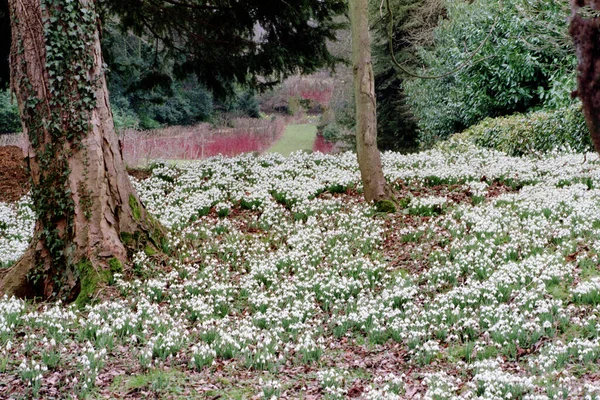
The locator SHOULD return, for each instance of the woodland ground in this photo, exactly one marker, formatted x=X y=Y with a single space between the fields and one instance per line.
x=14 y=181
x=279 y=281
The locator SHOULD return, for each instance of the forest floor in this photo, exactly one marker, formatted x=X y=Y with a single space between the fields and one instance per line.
x=14 y=181
x=278 y=280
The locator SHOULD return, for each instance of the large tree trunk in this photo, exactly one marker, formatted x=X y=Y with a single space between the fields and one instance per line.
x=585 y=30
x=85 y=204
x=369 y=158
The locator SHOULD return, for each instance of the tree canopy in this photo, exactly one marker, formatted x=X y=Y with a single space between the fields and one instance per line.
x=252 y=43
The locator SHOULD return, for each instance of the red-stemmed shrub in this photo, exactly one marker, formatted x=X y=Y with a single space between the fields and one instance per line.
x=200 y=141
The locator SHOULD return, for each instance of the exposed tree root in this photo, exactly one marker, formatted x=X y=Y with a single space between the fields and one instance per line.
x=14 y=281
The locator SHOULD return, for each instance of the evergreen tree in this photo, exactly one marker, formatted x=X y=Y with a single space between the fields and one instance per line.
x=143 y=89
x=413 y=23
x=229 y=42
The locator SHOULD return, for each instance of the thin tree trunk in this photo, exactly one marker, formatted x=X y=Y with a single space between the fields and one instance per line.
x=369 y=158
x=585 y=30
x=82 y=195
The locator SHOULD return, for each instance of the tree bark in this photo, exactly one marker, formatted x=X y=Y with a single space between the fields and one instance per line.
x=369 y=158
x=84 y=200
x=585 y=31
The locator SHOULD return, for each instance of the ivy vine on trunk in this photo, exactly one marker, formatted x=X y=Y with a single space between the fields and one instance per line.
x=82 y=195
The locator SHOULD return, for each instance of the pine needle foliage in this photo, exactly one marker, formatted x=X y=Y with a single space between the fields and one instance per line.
x=224 y=43
x=227 y=42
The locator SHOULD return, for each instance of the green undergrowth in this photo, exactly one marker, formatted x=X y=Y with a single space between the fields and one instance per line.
x=536 y=132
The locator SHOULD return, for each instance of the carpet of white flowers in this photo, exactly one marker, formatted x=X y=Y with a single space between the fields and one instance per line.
x=281 y=282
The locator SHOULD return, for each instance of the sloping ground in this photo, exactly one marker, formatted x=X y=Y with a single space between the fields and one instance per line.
x=280 y=281
x=295 y=138
x=14 y=182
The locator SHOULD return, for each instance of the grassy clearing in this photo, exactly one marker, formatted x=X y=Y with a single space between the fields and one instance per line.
x=283 y=282
x=295 y=138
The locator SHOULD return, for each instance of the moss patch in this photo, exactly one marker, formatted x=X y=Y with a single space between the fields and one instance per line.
x=127 y=239
x=385 y=206
x=151 y=240
x=157 y=233
x=150 y=251
x=115 y=266
x=89 y=280
x=135 y=207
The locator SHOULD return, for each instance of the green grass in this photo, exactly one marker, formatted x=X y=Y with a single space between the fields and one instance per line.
x=295 y=137
x=171 y=383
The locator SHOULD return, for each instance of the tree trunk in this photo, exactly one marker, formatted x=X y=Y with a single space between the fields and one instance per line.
x=87 y=210
x=369 y=158
x=585 y=30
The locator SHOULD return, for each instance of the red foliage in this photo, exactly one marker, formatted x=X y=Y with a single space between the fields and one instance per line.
x=323 y=145
x=201 y=142
x=318 y=90
x=322 y=97
x=232 y=145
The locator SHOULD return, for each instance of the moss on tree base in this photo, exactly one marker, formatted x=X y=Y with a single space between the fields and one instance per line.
x=91 y=281
x=385 y=206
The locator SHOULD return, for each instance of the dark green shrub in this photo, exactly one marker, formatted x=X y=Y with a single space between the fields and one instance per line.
x=539 y=131
x=10 y=121
x=331 y=132
x=336 y=133
x=148 y=123
x=526 y=63
x=144 y=92
x=187 y=104
x=294 y=105
x=247 y=105
x=243 y=103
x=124 y=117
